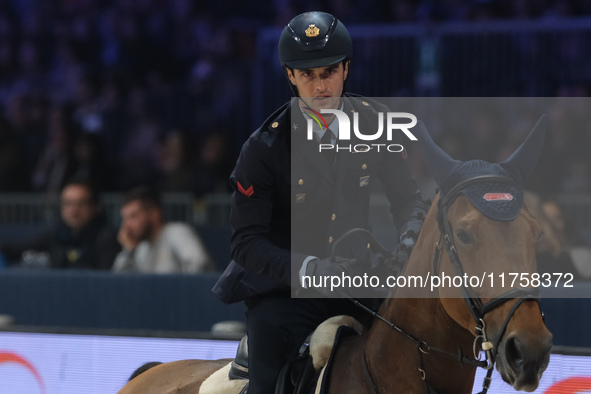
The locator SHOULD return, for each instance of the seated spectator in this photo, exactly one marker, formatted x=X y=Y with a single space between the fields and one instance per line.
x=175 y=163
x=554 y=253
x=574 y=242
x=55 y=163
x=151 y=245
x=82 y=238
x=214 y=165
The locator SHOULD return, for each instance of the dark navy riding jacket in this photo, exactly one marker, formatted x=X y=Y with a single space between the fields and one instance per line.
x=290 y=203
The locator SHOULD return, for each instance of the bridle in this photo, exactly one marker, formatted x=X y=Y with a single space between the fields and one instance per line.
x=477 y=308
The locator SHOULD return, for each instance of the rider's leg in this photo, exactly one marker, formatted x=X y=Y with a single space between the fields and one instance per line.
x=277 y=327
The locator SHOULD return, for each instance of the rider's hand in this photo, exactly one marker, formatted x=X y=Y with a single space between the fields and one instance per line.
x=407 y=243
x=403 y=251
x=321 y=268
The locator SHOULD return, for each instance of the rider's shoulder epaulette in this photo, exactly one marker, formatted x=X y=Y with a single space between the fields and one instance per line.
x=270 y=129
x=277 y=120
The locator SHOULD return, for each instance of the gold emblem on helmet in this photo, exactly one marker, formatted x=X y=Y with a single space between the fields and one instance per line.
x=312 y=31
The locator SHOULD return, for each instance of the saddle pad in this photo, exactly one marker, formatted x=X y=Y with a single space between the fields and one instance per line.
x=219 y=383
x=324 y=378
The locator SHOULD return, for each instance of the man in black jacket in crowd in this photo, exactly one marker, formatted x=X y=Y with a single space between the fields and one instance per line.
x=81 y=239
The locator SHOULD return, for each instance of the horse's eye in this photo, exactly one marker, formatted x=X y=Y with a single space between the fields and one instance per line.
x=464 y=237
x=540 y=236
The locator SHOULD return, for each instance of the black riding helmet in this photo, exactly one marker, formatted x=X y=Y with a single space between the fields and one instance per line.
x=314 y=39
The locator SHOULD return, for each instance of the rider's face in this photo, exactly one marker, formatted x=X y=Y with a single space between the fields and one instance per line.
x=320 y=87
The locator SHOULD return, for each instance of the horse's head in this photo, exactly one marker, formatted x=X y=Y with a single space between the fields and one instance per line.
x=488 y=237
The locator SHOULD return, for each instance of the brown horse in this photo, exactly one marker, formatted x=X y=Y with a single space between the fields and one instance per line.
x=421 y=343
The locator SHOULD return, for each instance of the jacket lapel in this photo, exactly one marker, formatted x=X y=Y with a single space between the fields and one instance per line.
x=308 y=150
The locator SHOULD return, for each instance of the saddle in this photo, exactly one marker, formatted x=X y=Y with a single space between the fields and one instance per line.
x=301 y=375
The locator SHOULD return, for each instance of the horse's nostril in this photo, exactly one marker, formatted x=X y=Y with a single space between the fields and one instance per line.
x=514 y=354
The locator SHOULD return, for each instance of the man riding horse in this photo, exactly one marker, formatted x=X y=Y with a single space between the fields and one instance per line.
x=426 y=340
x=281 y=183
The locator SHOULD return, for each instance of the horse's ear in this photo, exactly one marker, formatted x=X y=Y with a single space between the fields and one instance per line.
x=522 y=162
x=439 y=163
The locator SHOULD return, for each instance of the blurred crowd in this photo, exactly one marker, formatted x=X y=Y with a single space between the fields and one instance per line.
x=158 y=93
x=140 y=92
x=492 y=129
x=119 y=91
